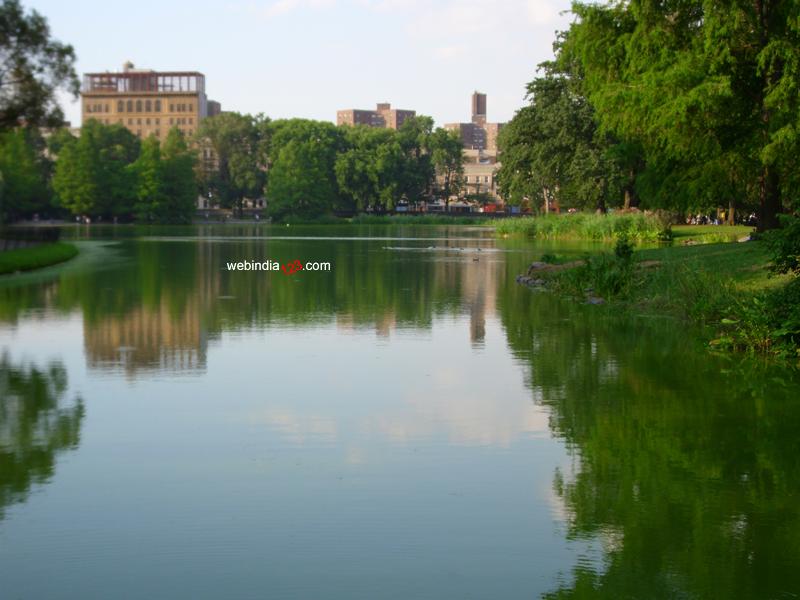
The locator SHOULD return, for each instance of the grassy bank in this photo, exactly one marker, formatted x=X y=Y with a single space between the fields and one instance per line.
x=35 y=257
x=582 y=226
x=726 y=287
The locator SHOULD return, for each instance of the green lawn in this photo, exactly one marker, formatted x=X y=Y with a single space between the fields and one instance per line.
x=27 y=259
x=709 y=233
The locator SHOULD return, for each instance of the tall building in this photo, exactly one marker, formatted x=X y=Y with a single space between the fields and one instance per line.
x=478 y=108
x=478 y=134
x=479 y=138
x=147 y=102
x=383 y=116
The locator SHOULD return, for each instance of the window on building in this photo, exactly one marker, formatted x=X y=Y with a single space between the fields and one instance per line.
x=120 y=106
x=191 y=107
x=130 y=121
x=486 y=179
x=106 y=107
x=158 y=121
x=158 y=105
x=130 y=105
x=138 y=106
x=148 y=106
x=171 y=108
x=147 y=121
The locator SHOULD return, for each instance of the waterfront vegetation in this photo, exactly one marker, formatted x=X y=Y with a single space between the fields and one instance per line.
x=584 y=226
x=732 y=289
x=35 y=257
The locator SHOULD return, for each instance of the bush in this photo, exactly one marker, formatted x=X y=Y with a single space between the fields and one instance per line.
x=784 y=244
x=636 y=227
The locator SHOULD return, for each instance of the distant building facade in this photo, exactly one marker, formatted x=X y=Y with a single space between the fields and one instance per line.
x=147 y=102
x=481 y=161
x=383 y=116
x=478 y=134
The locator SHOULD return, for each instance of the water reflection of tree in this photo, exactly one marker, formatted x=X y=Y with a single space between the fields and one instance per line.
x=34 y=426
x=688 y=467
x=162 y=304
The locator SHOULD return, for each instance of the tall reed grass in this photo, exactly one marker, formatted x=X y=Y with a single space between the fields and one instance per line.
x=636 y=227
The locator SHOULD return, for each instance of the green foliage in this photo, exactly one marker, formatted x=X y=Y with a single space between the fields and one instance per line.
x=447 y=155
x=634 y=226
x=623 y=249
x=302 y=176
x=165 y=184
x=93 y=174
x=23 y=173
x=708 y=90
x=785 y=246
x=552 y=149
x=32 y=68
x=35 y=257
x=239 y=144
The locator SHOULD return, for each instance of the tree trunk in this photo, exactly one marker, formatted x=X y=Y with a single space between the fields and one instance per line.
x=769 y=200
x=731 y=209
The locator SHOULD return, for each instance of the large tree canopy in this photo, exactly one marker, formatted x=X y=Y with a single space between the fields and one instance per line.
x=32 y=68
x=708 y=89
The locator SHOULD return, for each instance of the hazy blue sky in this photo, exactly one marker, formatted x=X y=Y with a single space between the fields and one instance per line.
x=308 y=58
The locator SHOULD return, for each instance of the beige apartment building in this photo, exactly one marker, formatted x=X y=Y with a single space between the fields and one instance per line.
x=147 y=102
x=383 y=116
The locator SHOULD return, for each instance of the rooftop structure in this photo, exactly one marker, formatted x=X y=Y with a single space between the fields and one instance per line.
x=147 y=102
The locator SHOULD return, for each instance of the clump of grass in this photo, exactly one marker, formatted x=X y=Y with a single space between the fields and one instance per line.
x=35 y=257
x=636 y=227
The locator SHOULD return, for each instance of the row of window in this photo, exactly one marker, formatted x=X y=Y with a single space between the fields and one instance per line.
x=477 y=179
x=139 y=106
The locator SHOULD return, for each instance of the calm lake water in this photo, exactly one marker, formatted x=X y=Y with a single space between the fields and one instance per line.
x=411 y=424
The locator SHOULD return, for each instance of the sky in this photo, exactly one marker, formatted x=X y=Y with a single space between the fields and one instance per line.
x=309 y=58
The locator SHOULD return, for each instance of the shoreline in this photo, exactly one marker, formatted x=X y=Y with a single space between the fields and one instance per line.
x=725 y=288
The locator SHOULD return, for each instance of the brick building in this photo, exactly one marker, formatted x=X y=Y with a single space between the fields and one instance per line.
x=383 y=116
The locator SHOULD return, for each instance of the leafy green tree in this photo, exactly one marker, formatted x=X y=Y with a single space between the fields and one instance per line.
x=24 y=175
x=302 y=176
x=178 y=178
x=239 y=171
x=415 y=138
x=552 y=149
x=447 y=156
x=148 y=172
x=92 y=174
x=698 y=82
x=32 y=67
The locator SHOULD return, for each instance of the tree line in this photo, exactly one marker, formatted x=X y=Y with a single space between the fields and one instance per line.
x=304 y=168
x=684 y=106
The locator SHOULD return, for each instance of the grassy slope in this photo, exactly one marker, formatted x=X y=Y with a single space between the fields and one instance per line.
x=26 y=259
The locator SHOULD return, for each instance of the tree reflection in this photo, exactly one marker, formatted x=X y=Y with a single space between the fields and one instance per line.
x=35 y=425
x=688 y=468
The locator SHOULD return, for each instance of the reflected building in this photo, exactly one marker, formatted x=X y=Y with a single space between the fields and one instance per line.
x=148 y=339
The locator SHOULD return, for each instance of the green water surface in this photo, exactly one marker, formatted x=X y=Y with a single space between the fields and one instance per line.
x=410 y=424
